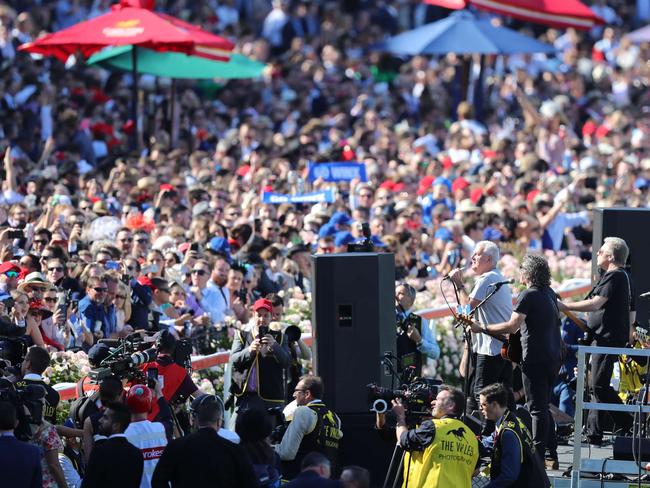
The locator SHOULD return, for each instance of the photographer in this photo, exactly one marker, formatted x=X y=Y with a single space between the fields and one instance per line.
x=297 y=347
x=514 y=462
x=258 y=362
x=441 y=452
x=314 y=427
x=35 y=363
x=176 y=381
x=413 y=337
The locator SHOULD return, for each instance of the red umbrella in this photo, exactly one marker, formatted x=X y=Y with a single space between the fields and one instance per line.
x=555 y=13
x=131 y=22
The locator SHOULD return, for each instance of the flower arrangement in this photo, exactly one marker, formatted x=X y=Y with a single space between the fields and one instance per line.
x=67 y=367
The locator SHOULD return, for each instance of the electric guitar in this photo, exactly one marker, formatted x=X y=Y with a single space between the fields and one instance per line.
x=511 y=348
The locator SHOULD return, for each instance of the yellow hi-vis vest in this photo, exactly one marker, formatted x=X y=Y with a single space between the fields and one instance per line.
x=448 y=462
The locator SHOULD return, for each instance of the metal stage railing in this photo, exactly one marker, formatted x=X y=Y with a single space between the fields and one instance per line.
x=581 y=464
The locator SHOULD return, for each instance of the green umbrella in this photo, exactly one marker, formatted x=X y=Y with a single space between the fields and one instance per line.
x=177 y=65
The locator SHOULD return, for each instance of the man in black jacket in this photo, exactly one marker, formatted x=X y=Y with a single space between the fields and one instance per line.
x=33 y=366
x=203 y=458
x=115 y=461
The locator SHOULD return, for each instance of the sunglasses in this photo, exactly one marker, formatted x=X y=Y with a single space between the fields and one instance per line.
x=11 y=274
x=121 y=297
x=55 y=268
x=50 y=299
x=100 y=289
x=200 y=272
x=39 y=241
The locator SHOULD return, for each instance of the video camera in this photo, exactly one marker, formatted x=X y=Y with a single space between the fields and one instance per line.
x=411 y=319
x=13 y=346
x=122 y=357
x=28 y=402
x=416 y=396
x=366 y=244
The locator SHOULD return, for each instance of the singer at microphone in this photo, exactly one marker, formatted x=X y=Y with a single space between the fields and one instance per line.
x=485 y=355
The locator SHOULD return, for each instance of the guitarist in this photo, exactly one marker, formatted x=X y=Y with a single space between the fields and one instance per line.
x=490 y=367
x=611 y=304
x=536 y=315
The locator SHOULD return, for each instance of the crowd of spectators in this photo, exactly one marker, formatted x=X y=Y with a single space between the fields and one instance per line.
x=176 y=234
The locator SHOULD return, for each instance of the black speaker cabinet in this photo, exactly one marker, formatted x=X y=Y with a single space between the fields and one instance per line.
x=631 y=225
x=353 y=325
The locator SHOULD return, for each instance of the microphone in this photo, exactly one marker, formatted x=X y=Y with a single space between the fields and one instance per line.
x=645 y=295
x=499 y=284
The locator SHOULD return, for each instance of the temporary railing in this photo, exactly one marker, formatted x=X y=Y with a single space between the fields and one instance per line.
x=591 y=465
x=67 y=391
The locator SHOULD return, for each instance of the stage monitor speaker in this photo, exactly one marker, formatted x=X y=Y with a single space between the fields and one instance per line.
x=630 y=224
x=353 y=324
x=626 y=450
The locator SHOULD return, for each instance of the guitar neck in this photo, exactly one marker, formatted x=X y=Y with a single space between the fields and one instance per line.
x=582 y=325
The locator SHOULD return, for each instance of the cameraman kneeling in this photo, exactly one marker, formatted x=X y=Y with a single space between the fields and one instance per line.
x=314 y=428
x=442 y=451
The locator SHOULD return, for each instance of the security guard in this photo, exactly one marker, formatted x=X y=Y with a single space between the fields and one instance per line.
x=514 y=462
x=314 y=427
x=441 y=452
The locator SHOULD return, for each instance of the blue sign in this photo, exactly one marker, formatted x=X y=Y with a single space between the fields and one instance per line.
x=344 y=171
x=326 y=196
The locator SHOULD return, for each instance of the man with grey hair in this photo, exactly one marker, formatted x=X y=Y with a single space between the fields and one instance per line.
x=489 y=366
x=612 y=307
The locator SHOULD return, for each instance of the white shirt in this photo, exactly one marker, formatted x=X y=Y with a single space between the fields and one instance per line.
x=273 y=25
x=150 y=438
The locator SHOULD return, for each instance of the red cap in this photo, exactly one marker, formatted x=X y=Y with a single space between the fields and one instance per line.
x=166 y=186
x=8 y=266
x=459 y=183
x=263 y=303
x=447 y=163
x=145 y=281
x=139 y=399
x=243 y=170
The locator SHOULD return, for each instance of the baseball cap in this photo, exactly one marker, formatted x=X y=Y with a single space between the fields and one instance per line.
x=263 y=304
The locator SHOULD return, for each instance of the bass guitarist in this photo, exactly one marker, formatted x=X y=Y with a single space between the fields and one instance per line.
x=489 y=366
x=536 y=315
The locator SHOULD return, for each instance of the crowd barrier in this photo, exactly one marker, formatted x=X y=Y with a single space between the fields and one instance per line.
x=68 y=391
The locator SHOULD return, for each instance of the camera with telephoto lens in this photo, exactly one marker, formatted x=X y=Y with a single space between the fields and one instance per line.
x=281 y=424
x=416 y=396
x=28 y=402
x=122 y=358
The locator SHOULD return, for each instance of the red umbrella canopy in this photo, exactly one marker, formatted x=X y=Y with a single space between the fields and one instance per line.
x=130 y=24
x=555 y=13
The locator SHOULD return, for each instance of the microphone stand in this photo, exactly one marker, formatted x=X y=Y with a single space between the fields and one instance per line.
x=467 y=335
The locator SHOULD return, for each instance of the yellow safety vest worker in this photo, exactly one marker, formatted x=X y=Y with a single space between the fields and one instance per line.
x=449 y=461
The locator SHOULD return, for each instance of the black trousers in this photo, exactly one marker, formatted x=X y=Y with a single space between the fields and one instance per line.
x=488 y=370
x=538 y=380
x=602 y=366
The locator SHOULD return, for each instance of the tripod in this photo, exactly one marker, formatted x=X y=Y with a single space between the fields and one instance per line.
x=397 y=476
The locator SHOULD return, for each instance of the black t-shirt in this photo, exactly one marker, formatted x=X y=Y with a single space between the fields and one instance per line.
x=611 y=323
x=540 y=333
x=51 y=398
